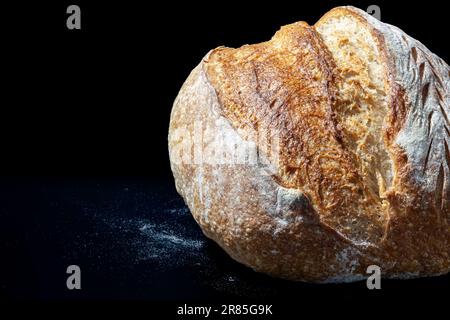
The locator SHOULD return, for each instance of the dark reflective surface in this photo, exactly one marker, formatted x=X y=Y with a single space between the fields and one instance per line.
x=134 y=238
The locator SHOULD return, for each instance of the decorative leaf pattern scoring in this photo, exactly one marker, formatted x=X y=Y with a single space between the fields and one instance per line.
x=434 y=105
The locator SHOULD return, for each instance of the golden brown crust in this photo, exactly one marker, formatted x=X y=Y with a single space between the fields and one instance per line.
x=259 y=223
x=288 y=86
x=315 y=212
x=417 y=233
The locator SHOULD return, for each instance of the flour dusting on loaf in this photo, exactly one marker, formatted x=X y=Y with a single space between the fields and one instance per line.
x=320 y=152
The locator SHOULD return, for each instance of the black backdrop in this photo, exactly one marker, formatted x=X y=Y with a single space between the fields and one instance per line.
x=84 y=162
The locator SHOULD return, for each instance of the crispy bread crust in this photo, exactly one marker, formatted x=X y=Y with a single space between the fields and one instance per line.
x=309 y=215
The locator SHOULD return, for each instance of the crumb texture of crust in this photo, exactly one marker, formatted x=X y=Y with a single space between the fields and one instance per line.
x=360 y=112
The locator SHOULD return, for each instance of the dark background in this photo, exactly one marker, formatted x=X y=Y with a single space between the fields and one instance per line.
x=84 y=169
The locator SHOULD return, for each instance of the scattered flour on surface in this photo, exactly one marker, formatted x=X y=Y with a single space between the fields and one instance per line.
x=163 y=235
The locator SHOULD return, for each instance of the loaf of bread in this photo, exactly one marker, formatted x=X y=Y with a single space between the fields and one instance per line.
x=320 y=152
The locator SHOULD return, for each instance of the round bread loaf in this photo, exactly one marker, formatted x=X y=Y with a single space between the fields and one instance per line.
x=320 y=152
